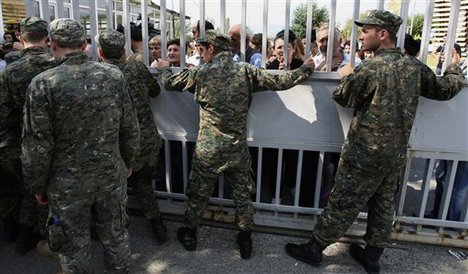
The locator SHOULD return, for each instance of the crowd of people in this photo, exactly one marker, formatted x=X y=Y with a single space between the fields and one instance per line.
x=75 y=132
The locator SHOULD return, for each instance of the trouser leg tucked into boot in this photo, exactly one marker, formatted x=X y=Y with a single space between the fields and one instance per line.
x=245 y=244
x=367 y=257
x=309 y=253
x=159 y=229
x=188 y=237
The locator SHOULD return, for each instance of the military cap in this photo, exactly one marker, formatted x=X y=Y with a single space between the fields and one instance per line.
x=111 y=41
x=219 y=40
x=66 y=30
x=381 y=18
x=33 y=24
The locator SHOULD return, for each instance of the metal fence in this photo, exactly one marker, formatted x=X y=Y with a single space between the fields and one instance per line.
x=294 y=151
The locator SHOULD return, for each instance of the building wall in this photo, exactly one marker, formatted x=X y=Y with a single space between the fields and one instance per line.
x=440 y=21
x=13 y=10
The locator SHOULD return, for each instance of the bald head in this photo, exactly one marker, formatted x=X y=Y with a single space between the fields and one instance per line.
x=235 y=34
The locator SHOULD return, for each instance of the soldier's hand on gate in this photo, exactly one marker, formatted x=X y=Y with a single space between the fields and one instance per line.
x=160 y=63
x=345 y=70
x=309 y=62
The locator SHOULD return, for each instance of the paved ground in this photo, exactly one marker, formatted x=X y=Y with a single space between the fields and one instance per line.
x=216 y=253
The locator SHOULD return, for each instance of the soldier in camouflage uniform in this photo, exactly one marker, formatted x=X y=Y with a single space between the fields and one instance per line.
x=142 y=86
x=223 y=88
x=14 y=81
x=384 y=93
x=80 y=138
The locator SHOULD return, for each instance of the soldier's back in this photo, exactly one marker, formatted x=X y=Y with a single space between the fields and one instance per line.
x=86 y=102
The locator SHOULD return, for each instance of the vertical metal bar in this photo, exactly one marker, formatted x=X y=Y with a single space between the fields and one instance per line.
x=182 y=32
x=318 y=180
x=451 y=33
x=29 y=8
x=402 y=32
x=202 y=18
x=75 y=10
x=331 y=35
x=221 y=186
x=352 y=54
x=309 y=27
x=167 y=157
x=243 y=34
x=426 y=187
x=144 y=31
x=60 y=13
x=222 y=16
x=44 y=9
x=93 y=27
x=426 y=35
x=126 y=24
x=184 y=164
x=404 y=185
x=380 y=5
x=259 y=174
x=265 y=32
x=28 y=13
x=287 y=15
x=110 y=14
x=278 y=177
x=297 y=191
x=447 y=196
x=163 y=30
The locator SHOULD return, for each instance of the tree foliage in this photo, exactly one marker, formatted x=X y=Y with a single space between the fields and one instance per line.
x=319 y=16
x=418 y=24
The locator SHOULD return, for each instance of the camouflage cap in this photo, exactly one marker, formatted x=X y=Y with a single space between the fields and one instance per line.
x=33 y=24
x=218 y=40
x=67 y=30
x=112 y=42
x=381 y=18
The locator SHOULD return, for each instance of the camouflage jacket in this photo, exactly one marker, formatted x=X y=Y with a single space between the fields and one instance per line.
x=384 y=92
x=80 y=129
x=142 y=86
x=223 y=89
x=13 y=82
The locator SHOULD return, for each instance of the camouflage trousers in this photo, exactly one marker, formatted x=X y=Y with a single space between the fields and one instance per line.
x=12 y=180
x=15 y=198
x=203 y=177
x=108 y=210
x=142 y=183
x=356 y=186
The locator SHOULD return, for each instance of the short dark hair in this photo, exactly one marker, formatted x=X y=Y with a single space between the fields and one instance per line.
x=34 y=36
x=291 y=38
x=208 y=25
x=173 y=42
x=391 y=35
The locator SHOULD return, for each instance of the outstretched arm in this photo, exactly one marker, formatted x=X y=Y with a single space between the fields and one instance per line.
x=182 y=81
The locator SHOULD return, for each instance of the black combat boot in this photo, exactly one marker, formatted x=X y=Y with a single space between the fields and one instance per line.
x=368 y=257
x=309 y=253
x=10 y=229
x=245 y=244
x=26 y=241
x=188 y=237
x=159 y=229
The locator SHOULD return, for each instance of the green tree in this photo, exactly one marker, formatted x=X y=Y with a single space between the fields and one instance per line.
x=319 y=16
x=418 y=24
x=346 y=30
